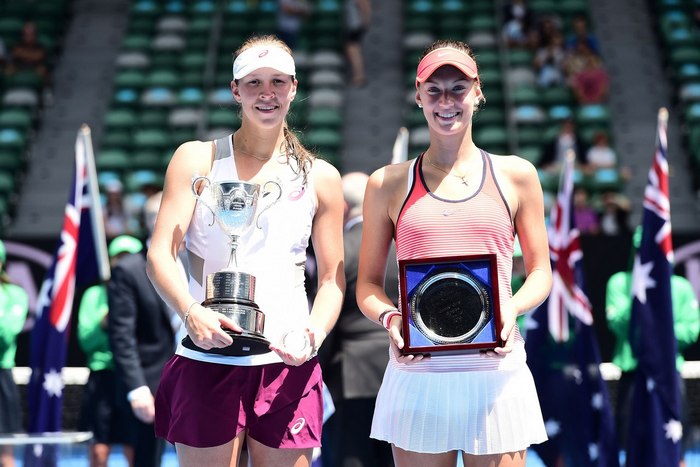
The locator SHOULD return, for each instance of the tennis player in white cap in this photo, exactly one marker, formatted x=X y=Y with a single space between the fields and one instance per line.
x=209 y=404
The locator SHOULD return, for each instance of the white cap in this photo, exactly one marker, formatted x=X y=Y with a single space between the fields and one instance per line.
x=263 y=56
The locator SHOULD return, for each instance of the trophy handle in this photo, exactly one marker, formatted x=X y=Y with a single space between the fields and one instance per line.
x=272 y=203
x=200 y=199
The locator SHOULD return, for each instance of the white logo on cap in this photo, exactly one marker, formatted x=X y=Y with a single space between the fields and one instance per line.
x=263 y=53
x=440 y=54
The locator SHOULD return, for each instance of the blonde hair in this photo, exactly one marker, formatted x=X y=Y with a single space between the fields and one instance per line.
x=291 y=146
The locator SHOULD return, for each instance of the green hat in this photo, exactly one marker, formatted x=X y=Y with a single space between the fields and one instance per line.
x=637 y=237
x=124 y=244
x=3 y=252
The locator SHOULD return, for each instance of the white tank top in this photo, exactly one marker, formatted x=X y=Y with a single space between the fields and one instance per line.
x=275 y=253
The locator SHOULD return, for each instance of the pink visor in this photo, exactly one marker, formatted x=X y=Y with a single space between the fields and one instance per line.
x=445 y=56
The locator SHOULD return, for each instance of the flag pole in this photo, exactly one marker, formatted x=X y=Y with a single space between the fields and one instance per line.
x=400 y=150
x=97 y=217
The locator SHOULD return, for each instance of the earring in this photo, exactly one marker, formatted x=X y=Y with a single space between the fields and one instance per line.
x=420 y=106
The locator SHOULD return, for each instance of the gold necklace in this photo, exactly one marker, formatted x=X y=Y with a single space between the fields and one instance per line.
x=249 y=154
x=463 y=178
x=262 y=159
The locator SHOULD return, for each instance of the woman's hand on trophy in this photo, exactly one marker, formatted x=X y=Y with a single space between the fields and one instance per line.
x=206 y=328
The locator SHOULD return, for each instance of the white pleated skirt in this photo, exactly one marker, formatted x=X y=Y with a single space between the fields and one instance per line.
x=478 y=412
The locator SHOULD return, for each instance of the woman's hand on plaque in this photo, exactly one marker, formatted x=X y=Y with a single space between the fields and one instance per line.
x=206 y=328
x=507 y=333
x=396 y=342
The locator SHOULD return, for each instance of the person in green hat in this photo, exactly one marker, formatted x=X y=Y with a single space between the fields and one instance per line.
x=98 y=412
x=618 y=309
x=14 y=304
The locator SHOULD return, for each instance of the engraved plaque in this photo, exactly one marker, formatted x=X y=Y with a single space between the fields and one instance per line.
x=450 y=305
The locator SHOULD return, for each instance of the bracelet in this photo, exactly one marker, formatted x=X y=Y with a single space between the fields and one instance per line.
x=383 y=313
x=386 y=317
x=187 y=313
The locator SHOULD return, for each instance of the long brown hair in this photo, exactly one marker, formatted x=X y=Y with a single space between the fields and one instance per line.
x=462 y=47
x=291 y=146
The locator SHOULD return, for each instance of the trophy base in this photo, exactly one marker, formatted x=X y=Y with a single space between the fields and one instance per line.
x=245 y=343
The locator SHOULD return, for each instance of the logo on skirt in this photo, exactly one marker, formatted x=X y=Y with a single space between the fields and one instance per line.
x=296 y=428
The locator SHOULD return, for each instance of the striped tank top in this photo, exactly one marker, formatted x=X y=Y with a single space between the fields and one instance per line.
x=430 y=226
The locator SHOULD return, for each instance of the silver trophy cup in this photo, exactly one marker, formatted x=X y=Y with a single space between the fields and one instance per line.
x=231 y=292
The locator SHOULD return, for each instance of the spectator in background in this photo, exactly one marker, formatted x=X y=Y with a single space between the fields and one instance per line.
x=614 y=213
x=696 y=16
x=517 y=24
x=99 y=410
x=549 y=62
x=146 y=183
x=358 y=14
x=28 y=54
x=116 y=219
x=585 y=216
x=618 y=310
x=355 y=355
x=586 y=75
x=14 y=304
x=142 y=340
x=290 y=18
x=548 y=28
x=600 y=155
x=581 y=34
x=554 y=151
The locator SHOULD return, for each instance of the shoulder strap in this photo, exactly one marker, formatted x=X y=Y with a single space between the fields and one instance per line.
x=222 y=148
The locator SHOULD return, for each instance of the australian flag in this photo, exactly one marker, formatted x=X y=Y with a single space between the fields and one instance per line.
x=655 y=423
x=563 y=353
x=80 y=259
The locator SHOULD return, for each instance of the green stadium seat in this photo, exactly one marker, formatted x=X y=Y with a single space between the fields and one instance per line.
x=593 y=114
x=120 y=119
x=7 y=183
x=113 y=160
x=16 y=118
x=532 y=153
x=224 y=117
x=490 y=115
x=493 y=139
x=11 y=160
x=147 y=159
x=526 y=95
x=131 y=79
x=12 y=139
x=153 y=138
x=325 y=118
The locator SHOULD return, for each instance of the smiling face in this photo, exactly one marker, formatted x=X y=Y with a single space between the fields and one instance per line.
x=448 y=98
x=265 y=96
